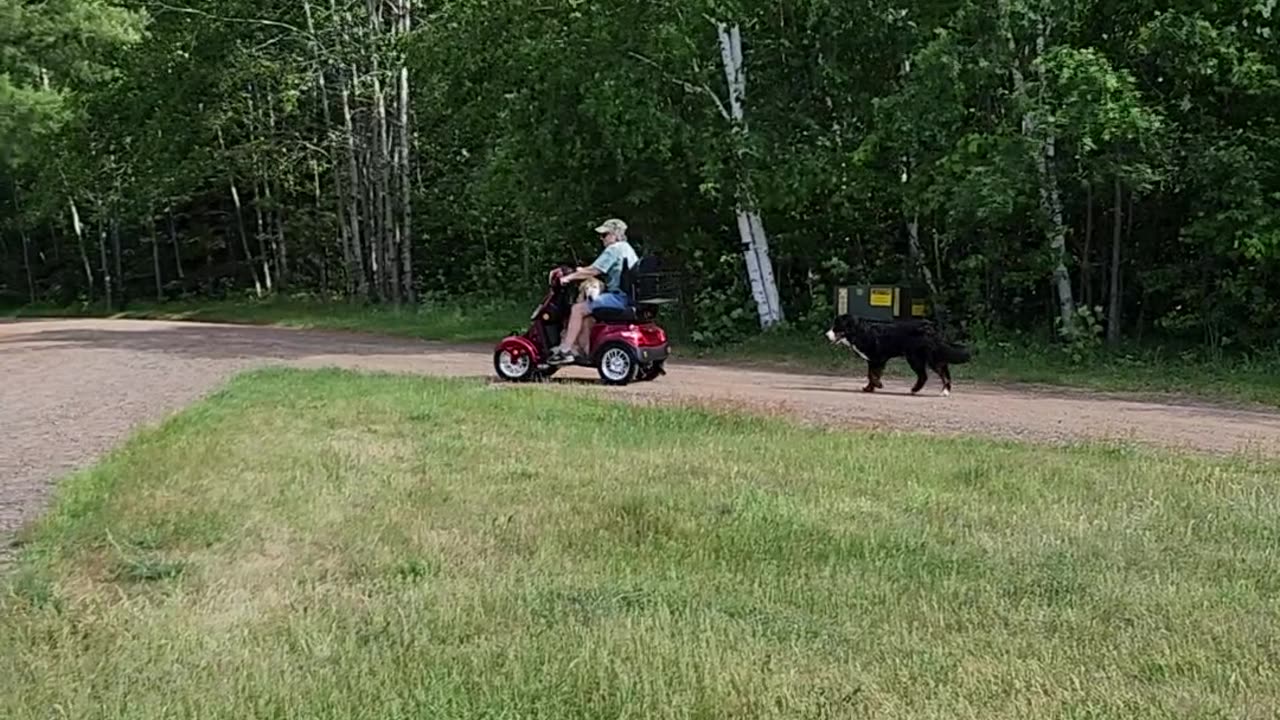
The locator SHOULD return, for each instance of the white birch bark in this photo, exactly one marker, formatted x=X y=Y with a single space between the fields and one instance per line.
x=1046 y=145
x=261 y=232
x=281 y=248
x=755 y=241
x=344 y=238
x=107 y=281
x=78 y=227
x=388 y=253
x=353 y=209
x=240 y=229
x=406 y=176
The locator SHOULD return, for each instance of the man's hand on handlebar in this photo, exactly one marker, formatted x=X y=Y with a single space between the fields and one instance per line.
x=558 y=277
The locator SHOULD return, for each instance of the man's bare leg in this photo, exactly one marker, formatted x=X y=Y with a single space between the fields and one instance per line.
x=577 y=315
x=584 y=337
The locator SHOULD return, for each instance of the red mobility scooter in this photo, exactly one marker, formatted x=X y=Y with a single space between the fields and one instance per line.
x=626 y=345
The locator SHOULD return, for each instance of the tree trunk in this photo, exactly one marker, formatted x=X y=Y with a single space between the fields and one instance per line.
x=406 y=177
x=1052 y=199
x=55 y=243
x=278 y=239
x=155 y=258
x=379 y=169
x=319 y=200
x=262 y=233
x=240 y=229
x=1086 y=262
x=353 y=209
x=372 y=210
x=108 y=283
x=1045 y=144
x=26 y=261
x=344 y=237
x=755 y=242
x=26 y=244
x=78 y=227
x=244 y=237
x=282 y=246
x=913 y=218
x=177 y=248
x=1113 y=297
x=389 y=254
x=121 y=298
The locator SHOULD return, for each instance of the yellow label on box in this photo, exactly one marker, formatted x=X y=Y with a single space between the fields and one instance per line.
x=881 y=297
x=918 y=308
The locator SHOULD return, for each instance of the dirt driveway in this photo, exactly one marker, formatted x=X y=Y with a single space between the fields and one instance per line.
x=70 y=390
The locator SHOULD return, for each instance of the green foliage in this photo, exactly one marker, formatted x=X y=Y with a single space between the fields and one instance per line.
x=48 y=50
x=533 y=121
x=1082 y=342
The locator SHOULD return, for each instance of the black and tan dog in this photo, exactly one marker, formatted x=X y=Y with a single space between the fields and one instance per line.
x=919 y=341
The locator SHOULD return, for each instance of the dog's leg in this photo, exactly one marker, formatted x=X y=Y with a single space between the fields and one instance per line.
x=873 y=377
x=922 y=375
x=944 y=372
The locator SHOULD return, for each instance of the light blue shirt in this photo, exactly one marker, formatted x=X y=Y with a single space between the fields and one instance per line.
x=610 y=263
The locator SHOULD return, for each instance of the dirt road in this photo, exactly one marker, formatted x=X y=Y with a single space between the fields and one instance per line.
x=70 y=390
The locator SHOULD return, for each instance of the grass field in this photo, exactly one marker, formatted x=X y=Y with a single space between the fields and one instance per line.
x=1148 y=370
x=325 y=545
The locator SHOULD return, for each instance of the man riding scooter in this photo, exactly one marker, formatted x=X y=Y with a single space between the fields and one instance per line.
x=617 y=254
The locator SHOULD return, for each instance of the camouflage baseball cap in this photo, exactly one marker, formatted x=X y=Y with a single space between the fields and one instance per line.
x=613 y=225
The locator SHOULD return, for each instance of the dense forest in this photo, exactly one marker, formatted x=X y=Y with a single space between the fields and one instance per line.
x=1097 y=169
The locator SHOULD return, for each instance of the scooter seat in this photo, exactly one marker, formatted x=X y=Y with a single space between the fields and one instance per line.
x=615 y=315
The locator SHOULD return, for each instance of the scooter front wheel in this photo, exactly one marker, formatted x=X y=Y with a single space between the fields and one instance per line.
x=513 y=366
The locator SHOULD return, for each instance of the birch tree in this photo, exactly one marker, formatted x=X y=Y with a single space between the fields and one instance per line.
x=755 y=241
x=1043 y=141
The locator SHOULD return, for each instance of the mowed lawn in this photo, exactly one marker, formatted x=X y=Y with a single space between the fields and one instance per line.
x=328 y=545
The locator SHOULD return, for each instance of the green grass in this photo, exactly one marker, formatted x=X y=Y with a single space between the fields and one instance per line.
x=326 y=545
x=1145 y=370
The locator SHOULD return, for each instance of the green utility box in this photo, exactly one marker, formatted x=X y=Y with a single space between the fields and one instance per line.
x=882 y=302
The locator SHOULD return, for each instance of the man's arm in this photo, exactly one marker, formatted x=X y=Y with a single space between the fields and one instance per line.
x=581 y=273
x=595 y=269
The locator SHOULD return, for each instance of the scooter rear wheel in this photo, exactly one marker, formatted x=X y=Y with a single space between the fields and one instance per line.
x=617 y=364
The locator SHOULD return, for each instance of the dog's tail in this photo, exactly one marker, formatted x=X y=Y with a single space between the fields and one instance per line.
x=956 y=354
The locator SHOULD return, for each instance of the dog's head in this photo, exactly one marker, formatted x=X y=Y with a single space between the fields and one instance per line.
x=843 y=329
x=590 y=289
